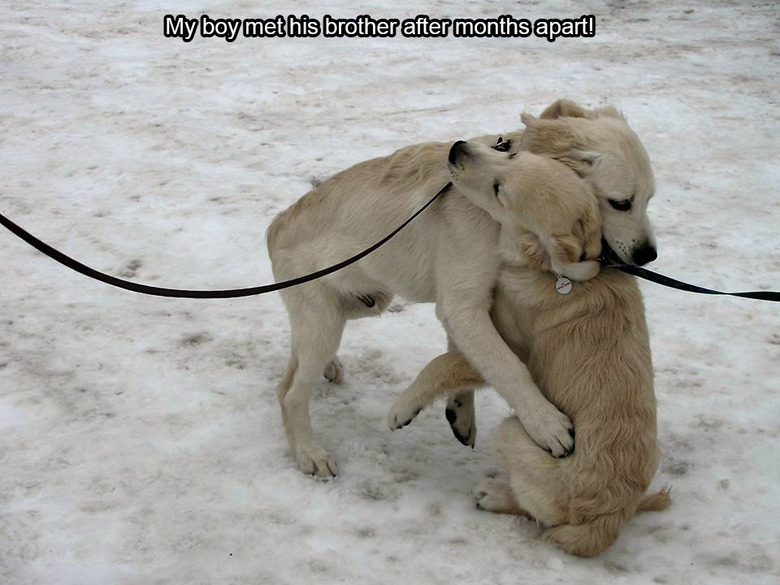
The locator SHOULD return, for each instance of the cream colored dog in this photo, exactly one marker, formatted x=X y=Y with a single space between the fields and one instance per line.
x=451 y=255
x=589 y=352
x=448 y=256
x=601 y=148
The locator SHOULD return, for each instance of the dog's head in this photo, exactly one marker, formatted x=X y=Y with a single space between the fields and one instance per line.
x=549 y=216
x=600 y=147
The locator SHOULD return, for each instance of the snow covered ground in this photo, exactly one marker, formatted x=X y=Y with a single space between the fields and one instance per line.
x=140 y=439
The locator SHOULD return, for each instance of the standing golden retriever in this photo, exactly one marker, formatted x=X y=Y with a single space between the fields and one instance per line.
x=449 y=256
x=452 y=256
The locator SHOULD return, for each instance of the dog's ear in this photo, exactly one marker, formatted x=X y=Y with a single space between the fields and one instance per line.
x=559 y=139
x=566 y=109
x=608 y=112
x=580 y=160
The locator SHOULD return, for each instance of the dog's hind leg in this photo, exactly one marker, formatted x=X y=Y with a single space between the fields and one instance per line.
x=355 y=306
x=334 y=371
x=536 y=478
x=316 y=323
x=496 y=496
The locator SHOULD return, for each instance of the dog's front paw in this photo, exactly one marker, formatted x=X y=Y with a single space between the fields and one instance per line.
x=461 y=415
x=551 y=429
x=403 y=412
x=316 y=461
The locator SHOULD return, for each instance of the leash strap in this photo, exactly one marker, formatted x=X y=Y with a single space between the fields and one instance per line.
x=258 y=290
x=202 y=294
x=762 y=295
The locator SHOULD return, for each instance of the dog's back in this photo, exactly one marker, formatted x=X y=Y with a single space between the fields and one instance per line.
x=589 y=352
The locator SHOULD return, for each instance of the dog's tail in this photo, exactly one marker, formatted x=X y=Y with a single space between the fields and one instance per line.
x=655 y=502
x=590 y=538
x=593 y=537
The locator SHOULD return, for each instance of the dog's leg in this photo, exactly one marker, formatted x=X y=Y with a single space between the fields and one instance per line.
x=460 y=411
x=316 y=327
x=496 y=496
x=538 y=483
x=461 y=414
x=449 y=372
x=334 y=371
x=473 y=331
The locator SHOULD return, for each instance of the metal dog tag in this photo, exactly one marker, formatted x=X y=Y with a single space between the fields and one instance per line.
x=563 y=285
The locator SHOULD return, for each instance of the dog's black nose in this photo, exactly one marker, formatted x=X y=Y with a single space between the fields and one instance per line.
x=458 y=149
x=644 y=255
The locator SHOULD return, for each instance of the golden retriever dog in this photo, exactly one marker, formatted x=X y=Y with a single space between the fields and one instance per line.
x=448 y=256
x=451 y=256
x=589 y=352
x=601 y=148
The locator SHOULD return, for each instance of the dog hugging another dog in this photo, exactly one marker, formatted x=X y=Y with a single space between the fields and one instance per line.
x=524 y=210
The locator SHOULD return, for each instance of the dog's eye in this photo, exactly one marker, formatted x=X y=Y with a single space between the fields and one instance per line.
x=624 y=205
x=496 y=186
x=502 y=145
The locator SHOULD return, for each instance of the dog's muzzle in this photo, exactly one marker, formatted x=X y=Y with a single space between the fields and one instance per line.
x=640 y=257
x=608 y=256
x=644 y=255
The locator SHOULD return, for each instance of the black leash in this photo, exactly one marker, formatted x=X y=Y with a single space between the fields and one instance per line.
x=258 y=290
x=202 y=294
x=761 y=295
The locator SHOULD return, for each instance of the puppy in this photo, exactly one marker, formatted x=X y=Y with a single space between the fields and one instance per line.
x=589 y=352
x=601 y=148
x=450 y=255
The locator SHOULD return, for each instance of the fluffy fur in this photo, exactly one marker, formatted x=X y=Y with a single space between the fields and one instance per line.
x=601 y=148
x=451 y=256
x=589 y=352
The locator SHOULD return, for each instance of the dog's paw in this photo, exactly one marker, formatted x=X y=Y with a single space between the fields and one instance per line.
x=584 y=270
x=403 y=412
x=316 y=461
x=461 y=415
x=551 y=429
x=494 y=495
x=334 y=371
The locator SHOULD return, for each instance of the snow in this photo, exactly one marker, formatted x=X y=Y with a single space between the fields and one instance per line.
x=140 y=439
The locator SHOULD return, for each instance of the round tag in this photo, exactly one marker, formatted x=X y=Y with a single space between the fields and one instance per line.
x=563 y=285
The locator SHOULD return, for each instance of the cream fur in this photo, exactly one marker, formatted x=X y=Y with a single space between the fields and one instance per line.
x=589 y=352
x=600 y=147
x=451 y=256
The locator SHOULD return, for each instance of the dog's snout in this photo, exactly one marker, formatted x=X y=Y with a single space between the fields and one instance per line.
x=644 y=255
x=458 y=149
